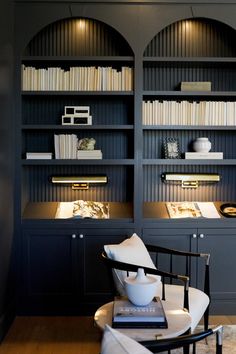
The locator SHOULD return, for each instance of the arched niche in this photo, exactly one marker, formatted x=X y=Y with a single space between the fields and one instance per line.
x=198 y=37
x=78 y=37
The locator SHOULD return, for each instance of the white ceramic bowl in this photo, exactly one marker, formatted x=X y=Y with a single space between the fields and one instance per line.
x=140 y=288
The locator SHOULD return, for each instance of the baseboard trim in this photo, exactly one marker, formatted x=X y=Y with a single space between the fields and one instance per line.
x=6 y=320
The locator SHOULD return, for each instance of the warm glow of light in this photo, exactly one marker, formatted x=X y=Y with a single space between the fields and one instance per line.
x=81 y=25
x=188 y=25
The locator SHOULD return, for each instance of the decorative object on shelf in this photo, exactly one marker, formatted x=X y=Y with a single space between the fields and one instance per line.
x=171 y=148
x=86 y=144
x=76 y=115
x=190 y=180
x=80 y=182
x=228 y=210
x=202 y=145
x=195 y=86
x=141 y=288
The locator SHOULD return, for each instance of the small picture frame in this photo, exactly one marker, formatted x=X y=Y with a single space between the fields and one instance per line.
x=171 y=148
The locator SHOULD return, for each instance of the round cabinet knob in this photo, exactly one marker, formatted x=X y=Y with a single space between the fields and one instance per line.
x=73 y=236
x=194 y=236
x=201 y=235
x=81 y=236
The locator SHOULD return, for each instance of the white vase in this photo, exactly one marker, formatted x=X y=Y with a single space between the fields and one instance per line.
x=202 y=145
x=140 y=288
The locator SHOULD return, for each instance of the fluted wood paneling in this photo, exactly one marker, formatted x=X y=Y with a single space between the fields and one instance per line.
x=104 y=110
x=168 y=76
x=222 y=141
x=191 y=38
x=40 y=189
x=78 y=37
x=155 y=190
x=194 y=38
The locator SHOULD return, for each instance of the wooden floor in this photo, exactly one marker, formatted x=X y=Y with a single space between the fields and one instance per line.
x=61 y=335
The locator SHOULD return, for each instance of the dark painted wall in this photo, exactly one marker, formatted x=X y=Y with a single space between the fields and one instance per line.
x=6 y=165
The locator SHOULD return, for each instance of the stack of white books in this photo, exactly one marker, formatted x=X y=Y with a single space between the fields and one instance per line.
x=65 y=146
x=89 y=154
x=204 y=155
x=38 y=155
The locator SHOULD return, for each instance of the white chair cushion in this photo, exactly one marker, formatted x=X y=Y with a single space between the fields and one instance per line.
x=114 y=342
x=133 y=251
x=198 y=301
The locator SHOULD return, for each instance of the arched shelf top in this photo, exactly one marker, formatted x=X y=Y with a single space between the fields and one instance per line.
x=196 y=37
x=78 y=37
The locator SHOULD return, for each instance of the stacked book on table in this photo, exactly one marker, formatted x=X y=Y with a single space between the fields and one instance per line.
x=127 y=315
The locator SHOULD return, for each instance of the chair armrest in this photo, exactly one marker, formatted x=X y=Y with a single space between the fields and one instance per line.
x=173 y=343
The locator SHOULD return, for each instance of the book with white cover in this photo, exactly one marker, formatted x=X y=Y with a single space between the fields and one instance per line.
x=204 y=155
x=89 y=154
x=38 y=155
x=126 y=314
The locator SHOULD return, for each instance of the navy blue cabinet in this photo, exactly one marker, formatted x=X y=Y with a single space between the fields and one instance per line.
x=62 y=270
x=221 y=244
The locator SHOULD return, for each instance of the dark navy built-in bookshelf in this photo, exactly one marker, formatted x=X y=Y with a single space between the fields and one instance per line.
x=132 y=151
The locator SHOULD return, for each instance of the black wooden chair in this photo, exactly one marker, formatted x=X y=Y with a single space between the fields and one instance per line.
x=199 y=306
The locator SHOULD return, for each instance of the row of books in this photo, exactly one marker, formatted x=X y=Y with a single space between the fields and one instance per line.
x=66 y=147
x=188 y=113
x=77 y=79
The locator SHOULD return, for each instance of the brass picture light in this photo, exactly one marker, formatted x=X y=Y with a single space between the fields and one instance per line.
x=190 y=180
x=80 y=182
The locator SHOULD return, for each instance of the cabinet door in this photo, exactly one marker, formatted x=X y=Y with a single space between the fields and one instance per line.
x=95 y=284
x=48 y=262
x=221 y=244
x=179 y=239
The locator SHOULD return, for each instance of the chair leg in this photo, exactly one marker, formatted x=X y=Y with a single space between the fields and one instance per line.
x=218 y=349
x=219 y=341
x=186 y=349
x=206 y=319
